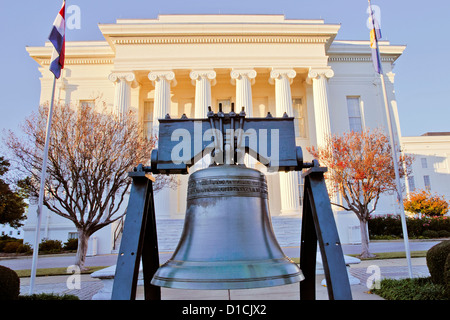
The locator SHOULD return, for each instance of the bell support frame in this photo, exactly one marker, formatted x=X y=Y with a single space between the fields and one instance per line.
x=139 y=238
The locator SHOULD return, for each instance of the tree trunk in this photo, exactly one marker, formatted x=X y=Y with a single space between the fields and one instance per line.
x=80 y=258
x=365 y=253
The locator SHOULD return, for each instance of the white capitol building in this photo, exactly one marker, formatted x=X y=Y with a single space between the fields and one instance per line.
x=181 y=64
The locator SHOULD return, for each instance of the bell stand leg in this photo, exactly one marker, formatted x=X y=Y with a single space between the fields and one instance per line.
x=139 y=239
x=318 y=225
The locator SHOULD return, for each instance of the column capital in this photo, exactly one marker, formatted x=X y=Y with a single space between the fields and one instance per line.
x=282 y=73
x=237 y=74
x=124 y=76
x=167 y=75
x=316 y=73
x=203 y=73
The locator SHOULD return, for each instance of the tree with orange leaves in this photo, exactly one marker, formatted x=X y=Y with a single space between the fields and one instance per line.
x=361 y=169
x=424 y=202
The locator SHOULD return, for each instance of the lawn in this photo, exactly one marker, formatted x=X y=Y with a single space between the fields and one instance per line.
x=53 y=271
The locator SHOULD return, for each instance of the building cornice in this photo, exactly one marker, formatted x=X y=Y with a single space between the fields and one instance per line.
x=358 y=59
x=219 y=29
x=360 y=51
x=218 y=39
x=77 y=53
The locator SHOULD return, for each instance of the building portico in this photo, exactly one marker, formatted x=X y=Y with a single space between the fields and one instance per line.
x=182 y=64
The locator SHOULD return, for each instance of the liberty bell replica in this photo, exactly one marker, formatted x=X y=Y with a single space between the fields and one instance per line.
x=227 y=240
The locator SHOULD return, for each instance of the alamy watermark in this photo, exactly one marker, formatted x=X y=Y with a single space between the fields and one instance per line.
x=262 y=144
x=73 y=17
x=73 y=282
x=374 y=280
x=376 y=15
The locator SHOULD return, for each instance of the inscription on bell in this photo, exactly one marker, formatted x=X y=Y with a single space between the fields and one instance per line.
x=220 y=187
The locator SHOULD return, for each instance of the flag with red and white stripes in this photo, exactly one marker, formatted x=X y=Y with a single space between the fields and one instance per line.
x=57 y=38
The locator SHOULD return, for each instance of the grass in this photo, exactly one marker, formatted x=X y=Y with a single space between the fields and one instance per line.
x=393 y=255
x=47 y=296
x=54 y=271
x=384 y=255
x=410 y=289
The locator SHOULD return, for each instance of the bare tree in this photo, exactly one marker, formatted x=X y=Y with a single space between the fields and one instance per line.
x=91 y=152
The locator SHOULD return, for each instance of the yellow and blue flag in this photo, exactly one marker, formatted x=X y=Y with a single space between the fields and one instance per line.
x=375 y=35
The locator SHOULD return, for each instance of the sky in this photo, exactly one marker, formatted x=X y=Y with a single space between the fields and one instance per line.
x=422 y=79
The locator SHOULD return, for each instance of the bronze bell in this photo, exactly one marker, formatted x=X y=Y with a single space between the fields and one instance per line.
x=227 y=241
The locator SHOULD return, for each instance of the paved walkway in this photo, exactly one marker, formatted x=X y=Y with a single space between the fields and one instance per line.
x=287 y=232
x=88 y=286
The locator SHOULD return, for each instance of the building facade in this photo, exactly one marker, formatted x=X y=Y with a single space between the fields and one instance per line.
x=181 y=64
x=431 y=166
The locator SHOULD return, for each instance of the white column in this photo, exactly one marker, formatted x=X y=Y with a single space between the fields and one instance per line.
x=321 y=110
x=203 y=80
x=289 y=193
x=283 y=79
x=122 y=99
x=319 y=79
x=162 y=81
x=243 y=79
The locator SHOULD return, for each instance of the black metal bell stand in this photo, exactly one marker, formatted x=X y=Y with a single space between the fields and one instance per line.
x=139 y=239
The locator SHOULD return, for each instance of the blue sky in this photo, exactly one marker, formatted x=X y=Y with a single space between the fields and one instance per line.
x=422 y=82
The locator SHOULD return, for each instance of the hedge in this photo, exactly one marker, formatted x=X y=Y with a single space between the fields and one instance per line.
x=9 y=284
x=427 y=227
x=436 y=259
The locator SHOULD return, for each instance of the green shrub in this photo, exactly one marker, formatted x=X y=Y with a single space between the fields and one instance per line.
x=2 y=244
x=9 y=284
x=48 y=296
x=431 y=234
x=50 y=246
x=410 y=289
x=390 y=225
x=11 y=246
x=24 y=248
x=443 y=234
x=71 y=244
x=436 y=257
x=6 y=243
x=447 y=276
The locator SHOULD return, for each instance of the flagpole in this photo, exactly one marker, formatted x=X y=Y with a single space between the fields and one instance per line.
x=397 y=177
x=379 y=69
x=41 y=191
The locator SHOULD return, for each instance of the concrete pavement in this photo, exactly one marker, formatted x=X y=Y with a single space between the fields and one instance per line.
x=287 y=234
x=366 y=272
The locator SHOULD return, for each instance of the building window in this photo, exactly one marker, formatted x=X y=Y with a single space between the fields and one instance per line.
x=87 y=103
x=300 y=118
x=427 y=183
x=260 y=107
x=226 y=106
x=411 y=184
x=73 y=235
x=354 y=114
x=186 y=106
x=424 y=163
x=148 y=118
